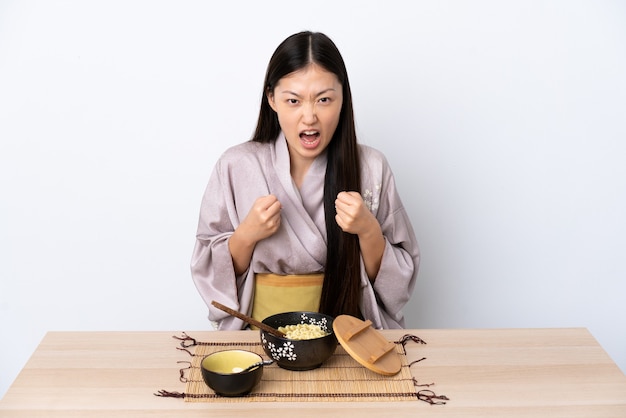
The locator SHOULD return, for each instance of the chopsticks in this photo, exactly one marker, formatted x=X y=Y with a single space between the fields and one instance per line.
x=249 y=319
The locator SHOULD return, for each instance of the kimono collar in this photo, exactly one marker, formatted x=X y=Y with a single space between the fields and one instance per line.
x=308 y=202
x=283 y=161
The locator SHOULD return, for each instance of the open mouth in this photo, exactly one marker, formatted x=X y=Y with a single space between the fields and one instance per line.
x=309 y=136
x=310 y=139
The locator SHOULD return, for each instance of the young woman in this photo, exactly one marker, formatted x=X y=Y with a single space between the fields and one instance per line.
x=302 y=217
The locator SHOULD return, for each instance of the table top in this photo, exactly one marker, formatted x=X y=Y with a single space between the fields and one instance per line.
x=484 y=373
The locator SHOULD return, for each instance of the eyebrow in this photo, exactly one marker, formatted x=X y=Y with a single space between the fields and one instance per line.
x=317 y=95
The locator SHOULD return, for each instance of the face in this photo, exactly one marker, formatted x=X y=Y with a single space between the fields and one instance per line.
x=308 y=104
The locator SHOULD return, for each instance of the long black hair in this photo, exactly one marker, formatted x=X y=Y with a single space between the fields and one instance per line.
x=341 y=289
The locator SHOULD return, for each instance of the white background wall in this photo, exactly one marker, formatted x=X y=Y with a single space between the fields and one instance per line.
x=504 y=122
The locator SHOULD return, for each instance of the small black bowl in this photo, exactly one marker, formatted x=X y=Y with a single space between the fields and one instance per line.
x=299 y=354
x=221 y=372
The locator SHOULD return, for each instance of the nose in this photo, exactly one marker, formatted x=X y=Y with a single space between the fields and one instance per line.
x=309 y=114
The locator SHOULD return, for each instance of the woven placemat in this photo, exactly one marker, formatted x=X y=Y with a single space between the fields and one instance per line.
x=340 y=378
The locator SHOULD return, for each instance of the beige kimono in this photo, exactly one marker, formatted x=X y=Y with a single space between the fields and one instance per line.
x=252 y=169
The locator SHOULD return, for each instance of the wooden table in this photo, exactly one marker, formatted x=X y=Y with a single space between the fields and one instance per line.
x=485 y=373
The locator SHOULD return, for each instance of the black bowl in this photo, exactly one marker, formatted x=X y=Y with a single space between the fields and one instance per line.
x=220 y=371
x=299 y=354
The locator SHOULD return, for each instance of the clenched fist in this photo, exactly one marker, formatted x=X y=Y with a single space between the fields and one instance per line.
x=263 y=219
x=353 y=216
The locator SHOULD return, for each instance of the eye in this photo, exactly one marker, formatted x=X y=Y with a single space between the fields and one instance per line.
x=325 y=100
x=292 y=101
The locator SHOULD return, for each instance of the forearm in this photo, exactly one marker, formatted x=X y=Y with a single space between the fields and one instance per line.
x=372 y=245
x=241 y=248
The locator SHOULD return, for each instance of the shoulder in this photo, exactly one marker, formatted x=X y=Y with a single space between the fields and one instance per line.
x=372 y=159
x=241 y=160
x=246 y=153
x=248 y=149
